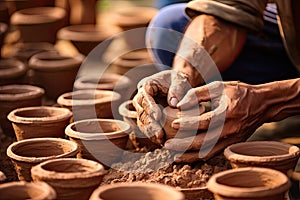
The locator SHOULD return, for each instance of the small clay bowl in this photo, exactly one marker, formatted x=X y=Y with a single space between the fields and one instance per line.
x=102 y=140
x=2 y=177
x=30 y=152
x=16 y=96
x=45 y=21
x=39 y=121
x=269 y=154
x=249 y=183
x=88 y=104
x=12 y=71
x=54 y=72
x=26 y=190
x=86 y=37
x=70 y=177
x=137 y=191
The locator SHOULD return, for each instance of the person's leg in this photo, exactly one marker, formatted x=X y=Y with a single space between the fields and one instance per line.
x=165 y=32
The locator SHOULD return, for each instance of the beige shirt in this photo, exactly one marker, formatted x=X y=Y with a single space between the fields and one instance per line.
x=249 y=14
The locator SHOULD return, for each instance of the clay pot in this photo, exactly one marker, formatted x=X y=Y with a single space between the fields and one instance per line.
x=45 y=21
x=89 y=104
x=249 y=183
x=129 y=115
x=87 y=36
x=102 y=140
x=2 y=177
x=16 y=96
x=12 y=71
x=25 y=190
x=170 y=114
x=196 y=193
x=137 y=191
x=269 y=154
x=23 y=4
x=70 y=177
x=27 y=153
x=39 y=121
x=54 y=72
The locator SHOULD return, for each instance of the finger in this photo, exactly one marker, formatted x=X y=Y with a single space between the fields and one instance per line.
x=188 y=157
x=178 y=87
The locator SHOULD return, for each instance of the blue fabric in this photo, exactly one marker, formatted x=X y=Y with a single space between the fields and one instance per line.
x=263 y=58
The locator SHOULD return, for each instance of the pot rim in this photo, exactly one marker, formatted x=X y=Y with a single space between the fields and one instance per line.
x=49 y=192
x=44 y=174
x=243 y=192
x=81 y=33
x=141 y=58
x=34 y=92
x=109 y=96
x=41 y=62
x=50 y=15
x=233 y=156
x=15 y=68
x=156 y=186
x=125 y=112
x=114 y=81
x=69 y=131
x=10 y=150
x=65 y=114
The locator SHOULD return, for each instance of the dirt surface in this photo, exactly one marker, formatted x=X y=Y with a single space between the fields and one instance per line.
x=156 y=167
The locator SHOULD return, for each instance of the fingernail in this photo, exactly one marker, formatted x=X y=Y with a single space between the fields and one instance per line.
x=173 y=101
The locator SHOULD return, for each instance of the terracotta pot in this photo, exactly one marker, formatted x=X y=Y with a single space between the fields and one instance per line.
x=196 y=193
x=137 y=191
x=45 y=21
x=102 y=140
x=295 y=176
x=249 y=183
x=2 y=177
x=23 y=4
x=39 y=121
x=269 y=154
x=70 y=177
x=54 y=72
x=88 y=104
x=27 y=153
x=12 y=71
x=16 y=96
x=25 y=190
x=129 y=114
x=87 y=36
x=170 y=114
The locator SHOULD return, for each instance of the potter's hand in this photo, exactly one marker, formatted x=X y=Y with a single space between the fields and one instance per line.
x=168 y=83
x=237 y=106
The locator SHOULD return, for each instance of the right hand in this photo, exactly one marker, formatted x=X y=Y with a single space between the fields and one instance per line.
x=170 y=84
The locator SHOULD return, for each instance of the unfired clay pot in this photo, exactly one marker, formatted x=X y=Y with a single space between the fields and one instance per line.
x=270 y=154
x=71 y=178
x=12 y=71
x=136 y=191
x=2 y=177
x=103 y=140
x=87 y=36
x=54 y=72
x=39 y=121
x=30 y=152
x=39 y=24
x=249 y=183
x=129 y=114
x=25 y=190
x=88 y=104
x=16 y=96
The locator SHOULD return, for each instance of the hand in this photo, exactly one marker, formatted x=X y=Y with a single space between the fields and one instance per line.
x=170 y=84
x=238 y=109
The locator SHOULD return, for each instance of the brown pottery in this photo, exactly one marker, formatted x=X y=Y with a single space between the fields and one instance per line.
x=12 y=71
x=3 y=30
x=15 y=5
x=71 y=178
x=102 y=140
x=249 y=183
x=16 y=96
x=54 y=72
x=29 y=152
x=136 y=191
x=39 y=24
x=269 y=154
x=39 y=121
x=89 y=104
x=25 y=190
x=196 y=193
x=86 y=37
